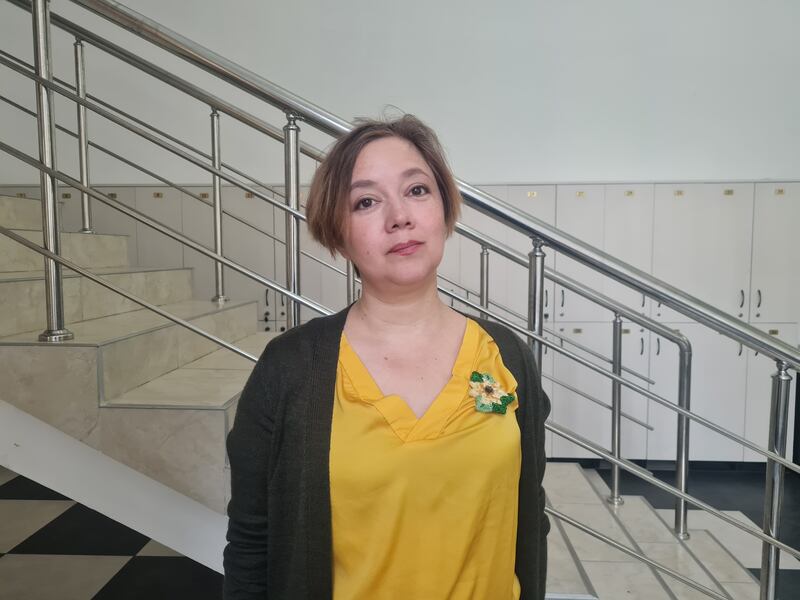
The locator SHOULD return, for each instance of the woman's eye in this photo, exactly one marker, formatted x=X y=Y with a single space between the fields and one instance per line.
x=419 y=190
x=364 y=203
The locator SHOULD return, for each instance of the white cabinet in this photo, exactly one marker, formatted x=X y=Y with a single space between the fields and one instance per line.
x=579 y=414
x=775 y=287
x=719 y=378
x=580 y=211
x=702 y=244
x=629 y=237
x=759 y=392
x=539 y=202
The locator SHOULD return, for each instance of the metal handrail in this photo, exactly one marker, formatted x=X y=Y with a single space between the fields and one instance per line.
x=649 y=478
x=160 y=227
x=630 y=385
x=565 y=243
x=552 y=332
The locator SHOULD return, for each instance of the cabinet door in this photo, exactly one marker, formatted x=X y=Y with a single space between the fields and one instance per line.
x=719 y=368
x=629 y=237
x=702 y=244
x=581 y=415
x=579 y=212
x=540 y=202
x=759 y=392
x=775 y=288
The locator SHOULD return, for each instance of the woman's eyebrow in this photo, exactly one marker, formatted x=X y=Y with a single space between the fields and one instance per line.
x=369 y=182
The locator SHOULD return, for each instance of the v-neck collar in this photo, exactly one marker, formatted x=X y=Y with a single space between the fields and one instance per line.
x=397 y=412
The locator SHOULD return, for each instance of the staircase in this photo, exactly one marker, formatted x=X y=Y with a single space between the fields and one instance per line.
x=131 y=384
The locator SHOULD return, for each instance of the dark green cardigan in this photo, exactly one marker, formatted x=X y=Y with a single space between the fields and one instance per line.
x=279 y=530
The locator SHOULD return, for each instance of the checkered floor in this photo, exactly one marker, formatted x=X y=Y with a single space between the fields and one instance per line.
x=52 y=548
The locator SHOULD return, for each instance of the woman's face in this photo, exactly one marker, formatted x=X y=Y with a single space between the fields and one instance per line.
x=395 y=230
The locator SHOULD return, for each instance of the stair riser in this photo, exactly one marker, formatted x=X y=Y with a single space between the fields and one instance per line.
x=84 y=299
x=87 y=250
x=20 y=213
x=133 y=361
x=183 y=449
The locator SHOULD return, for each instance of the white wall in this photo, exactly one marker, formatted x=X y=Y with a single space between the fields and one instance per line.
x=520 y=91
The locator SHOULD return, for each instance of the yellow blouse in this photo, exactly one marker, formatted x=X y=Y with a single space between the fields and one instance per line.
x=424 y=508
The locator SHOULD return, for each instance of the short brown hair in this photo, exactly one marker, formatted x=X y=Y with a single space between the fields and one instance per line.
x=326 y=207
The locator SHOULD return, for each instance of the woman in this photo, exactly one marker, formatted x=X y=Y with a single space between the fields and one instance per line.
x=394 y=450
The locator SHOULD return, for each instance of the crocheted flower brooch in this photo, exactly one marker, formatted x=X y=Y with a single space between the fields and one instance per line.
x=489 y=396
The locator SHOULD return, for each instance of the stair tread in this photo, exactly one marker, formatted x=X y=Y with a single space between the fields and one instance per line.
x=186 y=388
x=225 y=359
x=6 y=276
x=745 y=548
x=114 y=327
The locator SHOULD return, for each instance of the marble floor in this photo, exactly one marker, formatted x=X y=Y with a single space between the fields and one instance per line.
x=52 y=548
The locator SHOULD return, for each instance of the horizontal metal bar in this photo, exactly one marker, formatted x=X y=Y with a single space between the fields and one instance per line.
x=586 y=444
x=591 y=398
x=168 y=231
x=637 y=388
x=631 y=552
x=118 y=290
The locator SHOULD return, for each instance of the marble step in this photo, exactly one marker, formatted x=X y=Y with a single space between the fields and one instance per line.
x=85 y=299
x=87 y=250
x=129 y=349
x=173 y=428
x=611 y=573
x=702 y=557
x=20 y=213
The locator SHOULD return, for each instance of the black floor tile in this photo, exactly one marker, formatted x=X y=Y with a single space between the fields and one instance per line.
x=167 y=578
x=22 y=488
x=81 y=530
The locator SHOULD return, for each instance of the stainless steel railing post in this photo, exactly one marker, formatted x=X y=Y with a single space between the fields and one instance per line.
x=216 y=161
x=773 y=493
x=484 y=287
x=682 y=453
x=54 y=293
x=83 y=137
x=536 y=295
x=616 y=410
x=351 y=283
x=291 y=133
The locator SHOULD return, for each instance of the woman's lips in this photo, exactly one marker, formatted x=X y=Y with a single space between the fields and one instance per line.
x=405 y=248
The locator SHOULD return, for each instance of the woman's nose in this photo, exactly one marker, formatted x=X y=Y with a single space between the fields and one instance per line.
x=399 y=216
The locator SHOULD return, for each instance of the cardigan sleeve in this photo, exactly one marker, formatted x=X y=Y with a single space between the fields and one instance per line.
x=248 y=444
x=533 y=524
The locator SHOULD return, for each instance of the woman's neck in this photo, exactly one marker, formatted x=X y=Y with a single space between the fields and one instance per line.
x=398 y=315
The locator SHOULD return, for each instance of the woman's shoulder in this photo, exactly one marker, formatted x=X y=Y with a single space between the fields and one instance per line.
x=301 y=341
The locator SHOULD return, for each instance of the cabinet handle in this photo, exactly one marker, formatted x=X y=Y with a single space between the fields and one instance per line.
x=741 y=349
x=741 y=298
x=642 y=300
x=546 y=298
x=562 y=297
x=641 y=346
x=658 y=346
x=758 y=294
